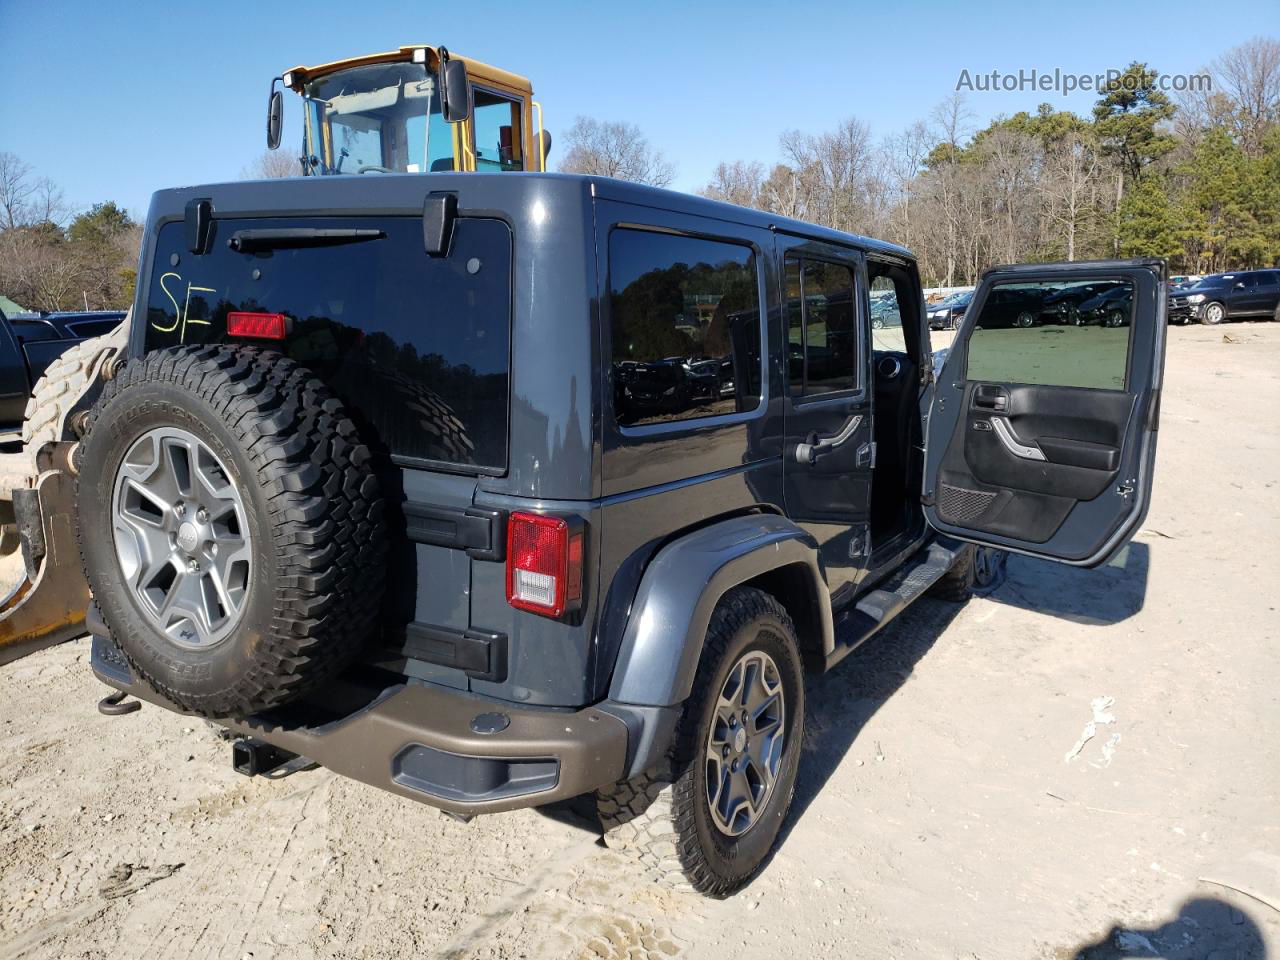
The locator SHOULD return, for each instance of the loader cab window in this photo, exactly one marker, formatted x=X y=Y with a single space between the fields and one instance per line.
x=379 y=118
x=499 y=137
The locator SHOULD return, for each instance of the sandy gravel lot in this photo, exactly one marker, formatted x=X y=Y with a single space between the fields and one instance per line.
x=944 y=810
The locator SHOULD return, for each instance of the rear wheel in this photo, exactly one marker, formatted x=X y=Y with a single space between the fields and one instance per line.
x=1024 y=319
x=1213 y=313
x=231 y=527
x=711 y=812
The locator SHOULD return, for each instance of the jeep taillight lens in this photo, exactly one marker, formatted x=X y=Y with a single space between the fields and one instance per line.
x=544 y=564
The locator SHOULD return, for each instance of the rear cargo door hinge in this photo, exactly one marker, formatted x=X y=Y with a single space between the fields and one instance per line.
x=439 y=211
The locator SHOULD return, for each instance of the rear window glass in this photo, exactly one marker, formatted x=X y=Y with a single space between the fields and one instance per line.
x=419 y=346
x=685 y=327
x=1054 y=334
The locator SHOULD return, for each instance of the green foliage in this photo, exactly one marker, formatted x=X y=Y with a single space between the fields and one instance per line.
x=1126 y=118
x=1148 y=224
x=100 y=224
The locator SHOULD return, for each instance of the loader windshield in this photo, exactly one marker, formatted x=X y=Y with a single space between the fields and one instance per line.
x=379 y=118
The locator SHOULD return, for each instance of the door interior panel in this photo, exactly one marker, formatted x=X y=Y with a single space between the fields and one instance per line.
x=1023 y=456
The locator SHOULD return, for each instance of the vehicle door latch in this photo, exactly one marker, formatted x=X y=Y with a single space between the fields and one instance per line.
x=1126 y=489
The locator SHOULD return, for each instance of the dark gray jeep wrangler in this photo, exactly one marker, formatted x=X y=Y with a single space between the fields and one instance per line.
x=498 y=490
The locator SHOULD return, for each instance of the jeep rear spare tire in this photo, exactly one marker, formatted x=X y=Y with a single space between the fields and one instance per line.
x=231 y=527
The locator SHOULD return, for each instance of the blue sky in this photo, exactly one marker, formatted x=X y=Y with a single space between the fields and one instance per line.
x=114 y=100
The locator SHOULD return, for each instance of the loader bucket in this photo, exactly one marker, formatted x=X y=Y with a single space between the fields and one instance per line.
x=47 y=605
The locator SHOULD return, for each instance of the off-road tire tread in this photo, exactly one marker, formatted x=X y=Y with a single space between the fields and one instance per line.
x=956 y=585
x=325 y=516
x=651 y=817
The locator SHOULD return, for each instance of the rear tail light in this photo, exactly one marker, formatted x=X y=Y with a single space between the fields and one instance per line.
x=257 y=326
x=544 y=564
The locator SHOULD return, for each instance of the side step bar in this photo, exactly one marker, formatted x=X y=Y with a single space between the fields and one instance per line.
x=879 y=606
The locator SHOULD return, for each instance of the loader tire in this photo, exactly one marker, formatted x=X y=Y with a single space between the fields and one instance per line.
x=241 y=448
x=63 y=386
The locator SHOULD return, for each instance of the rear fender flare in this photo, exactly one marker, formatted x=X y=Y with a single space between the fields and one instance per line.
x=679 y=591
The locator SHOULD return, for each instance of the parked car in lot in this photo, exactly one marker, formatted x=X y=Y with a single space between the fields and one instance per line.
x=29 y=343
x=1063 y=306
x=1015 y=305
x=1228 y=296
x=1107 y=308
x=885 y=313
x=947 y=313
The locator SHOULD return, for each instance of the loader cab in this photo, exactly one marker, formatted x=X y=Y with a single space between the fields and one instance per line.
x=415 y=110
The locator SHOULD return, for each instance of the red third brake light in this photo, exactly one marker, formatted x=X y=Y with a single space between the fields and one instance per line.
x=544 y=564
x=257 y=326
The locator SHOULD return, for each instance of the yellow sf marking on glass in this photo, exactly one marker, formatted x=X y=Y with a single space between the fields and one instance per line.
x=186 y=314
x=177 y=311
x=181 y=314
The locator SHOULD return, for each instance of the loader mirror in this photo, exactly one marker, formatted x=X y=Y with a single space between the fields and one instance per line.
x=455 y=91
x=544 y=146
x=275 y=117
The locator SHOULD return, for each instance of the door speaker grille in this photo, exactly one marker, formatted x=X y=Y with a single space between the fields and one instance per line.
x=960 y=504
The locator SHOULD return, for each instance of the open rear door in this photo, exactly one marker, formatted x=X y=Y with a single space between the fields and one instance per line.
x=1042 y=426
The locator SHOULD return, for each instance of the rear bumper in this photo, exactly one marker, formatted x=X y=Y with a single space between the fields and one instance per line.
x=456 y=751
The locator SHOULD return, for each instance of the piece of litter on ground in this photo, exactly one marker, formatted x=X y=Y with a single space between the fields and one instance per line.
x=1130 y=940
x=1101 y=714
x=1109 y=749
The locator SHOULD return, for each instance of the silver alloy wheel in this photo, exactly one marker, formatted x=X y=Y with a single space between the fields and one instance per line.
x=1025 y=319
x=182 y=537
x=1214 y=313
x=744 y=745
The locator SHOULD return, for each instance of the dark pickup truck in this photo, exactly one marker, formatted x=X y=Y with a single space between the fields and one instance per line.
x=29 y=343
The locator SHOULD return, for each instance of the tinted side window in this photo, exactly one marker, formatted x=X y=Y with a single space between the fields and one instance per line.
x=685 y=327
x=822 y=327
x=1020 y=337
x=92 y=328
x=417 y=345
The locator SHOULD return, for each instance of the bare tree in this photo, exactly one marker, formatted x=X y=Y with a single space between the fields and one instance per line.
x=611 y=148
x=16 y=189
x=905 y=157
x=1250 y=76
x=738 y=182
x=835 y=174
x=1072 y=168
x=26 y=200
x=272 y=165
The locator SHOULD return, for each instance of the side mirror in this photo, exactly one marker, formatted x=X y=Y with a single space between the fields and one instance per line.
x=455 y=89
x=544 y=146
x=275 y=116
x=1239 y=284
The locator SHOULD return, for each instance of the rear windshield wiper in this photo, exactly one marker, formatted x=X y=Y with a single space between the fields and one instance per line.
x=247 y=241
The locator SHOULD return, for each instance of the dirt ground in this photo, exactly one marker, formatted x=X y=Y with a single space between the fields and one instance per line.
x=946 y=806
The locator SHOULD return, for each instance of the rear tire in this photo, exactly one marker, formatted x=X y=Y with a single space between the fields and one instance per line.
x=305 y=519
x=666 y=819
x=978 y=570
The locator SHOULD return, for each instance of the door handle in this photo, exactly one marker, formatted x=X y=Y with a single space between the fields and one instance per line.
x=991 y=398
x=809 y=452
x=1011 y=443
